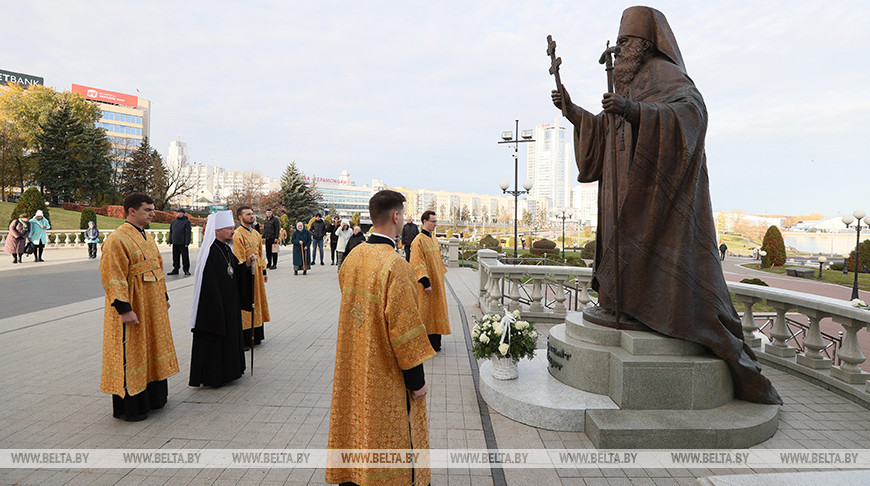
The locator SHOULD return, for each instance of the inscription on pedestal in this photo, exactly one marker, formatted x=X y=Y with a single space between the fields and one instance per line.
x=555 y=356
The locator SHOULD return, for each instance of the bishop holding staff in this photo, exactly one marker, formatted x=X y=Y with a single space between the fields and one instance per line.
x=668 y=271
x=247 y=242
x=138 y=352
x=429 y=269
x=222 y=289
x=379 y=389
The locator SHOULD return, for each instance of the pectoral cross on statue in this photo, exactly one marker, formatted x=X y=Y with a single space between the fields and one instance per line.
x=555 y=62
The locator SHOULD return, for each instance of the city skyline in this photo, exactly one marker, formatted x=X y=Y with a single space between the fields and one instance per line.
x=420 y=95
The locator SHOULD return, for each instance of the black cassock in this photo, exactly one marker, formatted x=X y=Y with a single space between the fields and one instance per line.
x=218 y=352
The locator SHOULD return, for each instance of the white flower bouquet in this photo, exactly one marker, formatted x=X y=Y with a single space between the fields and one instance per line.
x=860 y=304
x=496 y=336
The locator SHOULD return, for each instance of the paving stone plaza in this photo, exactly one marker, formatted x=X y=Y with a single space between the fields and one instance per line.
x=51 y=398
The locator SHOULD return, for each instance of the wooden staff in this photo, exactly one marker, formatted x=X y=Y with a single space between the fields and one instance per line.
x=607 y=59
x=253 y=310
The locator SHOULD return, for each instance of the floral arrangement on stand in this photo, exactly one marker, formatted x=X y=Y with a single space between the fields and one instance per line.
x=860 y=304
x=504 y=340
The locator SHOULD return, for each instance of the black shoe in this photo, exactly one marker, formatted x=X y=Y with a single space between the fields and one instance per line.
x=133 y=418
x=295 y=272
x=321 y=263
x=185 y=272
x=304 y=272
x=174 y=272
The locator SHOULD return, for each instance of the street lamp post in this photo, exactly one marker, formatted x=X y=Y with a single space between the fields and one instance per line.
x=857 y=216
x=509 y=137
x=762 y=254
x=822 y=261
x=563 y=214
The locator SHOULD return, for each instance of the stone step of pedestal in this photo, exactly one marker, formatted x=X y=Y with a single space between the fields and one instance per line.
x=639 y=382
x=535 y=398
x=735 y=425
x=634 y=342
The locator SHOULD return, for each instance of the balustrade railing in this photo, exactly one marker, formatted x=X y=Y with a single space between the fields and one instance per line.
x=540 y=293
x=76 y=238
x=804 y=343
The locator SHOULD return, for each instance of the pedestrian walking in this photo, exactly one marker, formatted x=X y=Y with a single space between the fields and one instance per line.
x=333 y=240
x=271 y=231
x=409 y=232
x=343 y=235
x=37 y=235
x=179 y=238
x=16 y=240
x=318 y=231
x=92 y=237
x=355 y=239
x=301 y=241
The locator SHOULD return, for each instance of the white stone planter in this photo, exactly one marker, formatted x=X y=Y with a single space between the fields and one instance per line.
x=504 y=368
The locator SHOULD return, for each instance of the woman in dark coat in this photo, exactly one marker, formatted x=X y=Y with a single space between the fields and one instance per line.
x=16 y=240
x=355 y=239
x=301 y=241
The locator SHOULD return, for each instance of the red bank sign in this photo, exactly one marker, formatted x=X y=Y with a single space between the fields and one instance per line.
x=105 y=96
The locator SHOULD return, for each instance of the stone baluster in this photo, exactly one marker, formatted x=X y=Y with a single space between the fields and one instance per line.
x=812 y=357
x=453 y=253
x=486 y=260
x=495 y=295
x=537 y=296
x=584 y=297
x=850 y=353
x=513 y=281
x=748 y=321
x=560 y=308
x=779 y=333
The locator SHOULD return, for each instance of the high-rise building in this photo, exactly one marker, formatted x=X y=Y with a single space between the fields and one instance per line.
x=125 y=117
x=547 y=168
x=585 y=199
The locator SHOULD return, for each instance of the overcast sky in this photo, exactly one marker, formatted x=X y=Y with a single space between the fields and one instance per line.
x=416 y=93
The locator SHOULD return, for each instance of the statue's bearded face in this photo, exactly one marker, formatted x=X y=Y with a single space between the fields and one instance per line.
x=628 y=62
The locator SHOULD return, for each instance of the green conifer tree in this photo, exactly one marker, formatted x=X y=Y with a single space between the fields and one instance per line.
x=29 y=203
x=301 y=199
x=774 y=245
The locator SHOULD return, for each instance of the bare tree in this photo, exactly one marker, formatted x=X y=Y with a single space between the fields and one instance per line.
x=249 y=193
x=176 y=181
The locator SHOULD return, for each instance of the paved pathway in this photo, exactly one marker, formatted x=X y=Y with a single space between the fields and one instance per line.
x=51 y=398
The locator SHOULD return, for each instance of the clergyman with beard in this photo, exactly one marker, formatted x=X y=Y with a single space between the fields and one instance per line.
x=669 y=271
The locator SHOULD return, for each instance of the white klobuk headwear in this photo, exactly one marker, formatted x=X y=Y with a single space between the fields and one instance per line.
x=215 y=221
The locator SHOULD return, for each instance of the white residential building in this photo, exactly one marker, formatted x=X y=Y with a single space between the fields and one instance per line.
x=547 y=166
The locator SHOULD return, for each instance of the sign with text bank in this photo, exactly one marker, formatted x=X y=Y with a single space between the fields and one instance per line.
x=106 y=96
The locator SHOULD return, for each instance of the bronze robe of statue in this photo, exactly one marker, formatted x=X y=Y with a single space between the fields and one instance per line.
x=670 y=275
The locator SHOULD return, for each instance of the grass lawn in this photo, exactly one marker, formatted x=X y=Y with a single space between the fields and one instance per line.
x=61 y=219
x=830 y=276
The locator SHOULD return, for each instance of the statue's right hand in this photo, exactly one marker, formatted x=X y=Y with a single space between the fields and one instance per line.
x=559 y=98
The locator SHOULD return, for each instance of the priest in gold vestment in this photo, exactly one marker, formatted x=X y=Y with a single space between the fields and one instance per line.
x=379 y=388
x=138 y=352
x=246 y=242
x=429 y=269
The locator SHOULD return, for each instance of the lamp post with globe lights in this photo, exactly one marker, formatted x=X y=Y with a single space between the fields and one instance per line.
x=822 y=261
x=848 y=219
x=762 y=254
x=509 y=137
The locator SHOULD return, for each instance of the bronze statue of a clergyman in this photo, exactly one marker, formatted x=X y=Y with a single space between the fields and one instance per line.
x=646 y=151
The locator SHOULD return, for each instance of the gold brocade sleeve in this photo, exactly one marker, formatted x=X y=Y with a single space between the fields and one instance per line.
x=408 y=336
x=114 y=267
x=418 y=258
